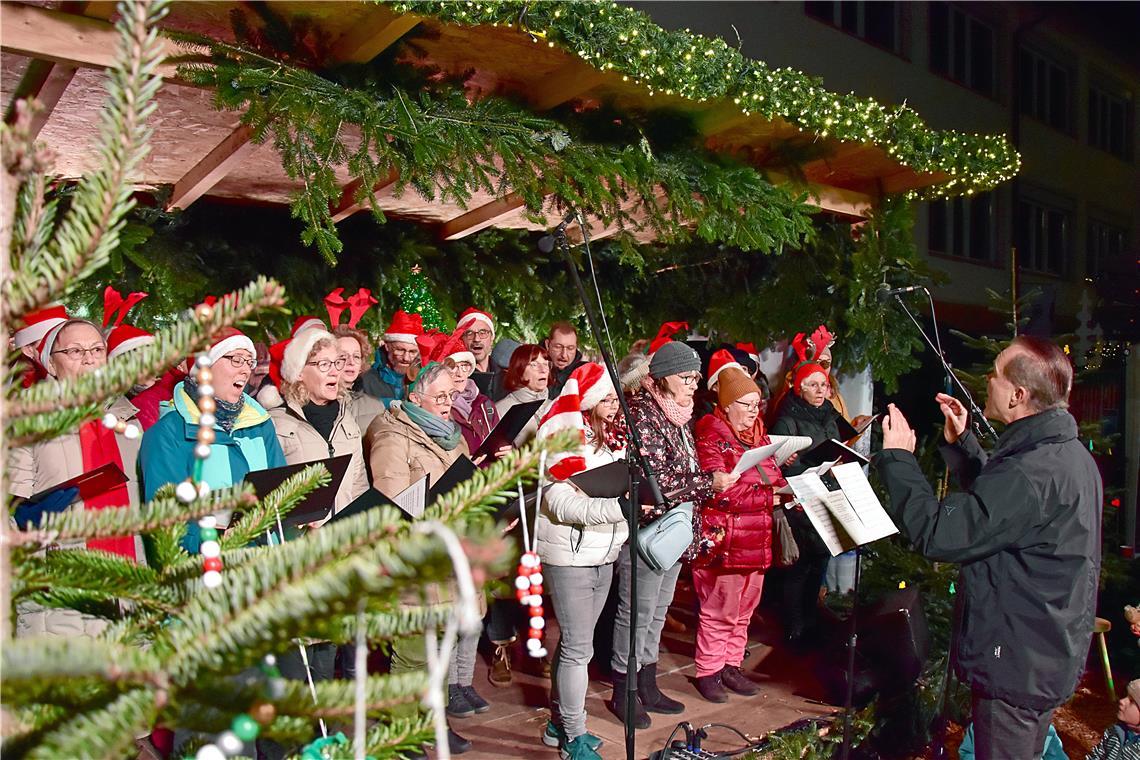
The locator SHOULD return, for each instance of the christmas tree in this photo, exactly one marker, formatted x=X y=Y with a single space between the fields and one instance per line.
x=188 y=638
x=416 y=298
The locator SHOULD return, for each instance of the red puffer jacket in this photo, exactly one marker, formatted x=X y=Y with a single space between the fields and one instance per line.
x=736 y=524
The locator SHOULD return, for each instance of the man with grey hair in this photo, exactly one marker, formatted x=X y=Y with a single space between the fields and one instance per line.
x=1026 y=532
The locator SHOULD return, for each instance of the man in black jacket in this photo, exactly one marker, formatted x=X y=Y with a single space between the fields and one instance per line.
x=1026 y=532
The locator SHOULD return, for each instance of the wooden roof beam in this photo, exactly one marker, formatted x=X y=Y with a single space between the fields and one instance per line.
x=348 y=204
x=566 y=83
x=362 y=44
x=46 y=82
x=480 y=218
x=837 y=200
x=224 y=158
x=66 y=38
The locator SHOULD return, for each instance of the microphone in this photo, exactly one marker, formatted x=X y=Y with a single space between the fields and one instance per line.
x=884 y=293
x=546 y=242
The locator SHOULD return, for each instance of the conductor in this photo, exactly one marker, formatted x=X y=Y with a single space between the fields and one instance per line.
x=1025 y=528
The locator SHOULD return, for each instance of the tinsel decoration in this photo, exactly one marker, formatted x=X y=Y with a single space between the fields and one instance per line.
x=416 y=298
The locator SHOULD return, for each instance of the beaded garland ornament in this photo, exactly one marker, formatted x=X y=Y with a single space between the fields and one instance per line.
x=528 y=582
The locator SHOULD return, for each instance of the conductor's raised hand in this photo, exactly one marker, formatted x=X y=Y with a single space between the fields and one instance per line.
x=897 y=433
x=956 y=417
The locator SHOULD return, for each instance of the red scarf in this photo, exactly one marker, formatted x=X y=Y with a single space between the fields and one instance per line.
x=99 y=447
x=751 y=438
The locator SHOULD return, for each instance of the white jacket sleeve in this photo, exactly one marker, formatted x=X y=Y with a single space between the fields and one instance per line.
x=568 y=505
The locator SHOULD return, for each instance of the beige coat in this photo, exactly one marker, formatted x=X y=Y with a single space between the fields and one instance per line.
x=400 y=453
x=36 y=468
x=364 y=408
x=301 y=443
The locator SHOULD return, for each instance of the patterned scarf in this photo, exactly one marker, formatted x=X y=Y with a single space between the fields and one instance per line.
x=466 y=399
x=225 y=412
x=674 y=412
x=616 y=432
x=445 y=433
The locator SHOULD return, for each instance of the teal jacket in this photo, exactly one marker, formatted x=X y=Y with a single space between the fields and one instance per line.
x=167 y=452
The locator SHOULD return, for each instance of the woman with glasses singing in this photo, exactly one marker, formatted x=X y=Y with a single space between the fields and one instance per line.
x=355 y=347
x=527 y=379
x=733 y=545
x=662 y=411
x=70 y=350
x=244 y=439
x=805 y=412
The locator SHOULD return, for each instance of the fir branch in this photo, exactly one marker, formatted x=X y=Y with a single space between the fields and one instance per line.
x=335 y=699
x=256 y=520
x=37 y=663
x=163 y=512
x=54 y=578
x=105 y=732
x=88 y=232
x=30 y=411
x=395 y=737
x=380 y=627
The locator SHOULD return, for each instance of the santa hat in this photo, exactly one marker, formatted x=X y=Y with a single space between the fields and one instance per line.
x=38 y=324
x=803 y=372
x=297 y=353
x=452 y=347
x=356 y=305
x=427 y=342
x=666 y=333
x=126 y=338
x=405 y=328
x=48 y=343
x=306 y=322
x=750 y=349
x=468 y=318
x=229 y=339
x=720 y=361
x=115 y=307
x=586 y=386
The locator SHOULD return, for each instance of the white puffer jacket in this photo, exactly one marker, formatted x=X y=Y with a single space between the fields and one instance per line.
x=575 y=530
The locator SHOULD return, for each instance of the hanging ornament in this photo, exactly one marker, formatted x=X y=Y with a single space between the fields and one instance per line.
x=528 y=581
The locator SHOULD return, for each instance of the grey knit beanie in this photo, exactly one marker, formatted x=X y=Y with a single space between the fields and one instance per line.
x=501 y=353
x=672 y=359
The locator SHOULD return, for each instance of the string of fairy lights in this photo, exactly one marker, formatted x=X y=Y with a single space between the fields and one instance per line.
x=625 y=41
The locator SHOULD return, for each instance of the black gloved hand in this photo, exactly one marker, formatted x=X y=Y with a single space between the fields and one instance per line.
x=626 y=505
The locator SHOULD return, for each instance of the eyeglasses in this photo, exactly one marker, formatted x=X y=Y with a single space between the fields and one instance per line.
x=538 y=364
x=816 y=386
x=353 y=359
x=445 y=398
x=75 y=353
x=324 y=365
x=238 y=362
x=482 y=334
x=403 y=353
x=556 y=348
x=753 y=407
x=692 y=379
x=464 y=366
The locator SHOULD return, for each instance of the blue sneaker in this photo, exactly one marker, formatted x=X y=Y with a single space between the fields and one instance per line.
x=579 y=749
x=553 y=736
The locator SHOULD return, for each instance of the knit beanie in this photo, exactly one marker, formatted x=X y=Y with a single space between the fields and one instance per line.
x=803 y=372
x=673 y=358
x=1134 y=690
x=502 y=352
x=733 y=386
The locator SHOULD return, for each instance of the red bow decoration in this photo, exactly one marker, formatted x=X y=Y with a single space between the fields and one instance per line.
x=426 y=343
x=335 y=305
x=116 y=307
x=358 y=305
x=665 y=334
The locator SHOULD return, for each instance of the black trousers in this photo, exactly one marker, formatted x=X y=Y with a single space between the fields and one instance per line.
x=801 y=593
x=1006 y=732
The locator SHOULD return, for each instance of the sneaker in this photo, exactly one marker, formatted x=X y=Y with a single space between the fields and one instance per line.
x=457 y=704
x=553 y=736
x=734 y=679
x=578 y=749
x=500 y=674
x=711 y=688
x=481 y=705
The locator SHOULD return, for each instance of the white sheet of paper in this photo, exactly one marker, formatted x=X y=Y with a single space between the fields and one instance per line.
x=789 y=444
x=782 y=447
x=876 y=523
x=813 y=495
x=820 y=470
x=413 y=499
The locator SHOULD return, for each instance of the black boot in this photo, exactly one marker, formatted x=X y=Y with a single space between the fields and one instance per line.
x=651 y=696
x=616 y=703
x=456 y=743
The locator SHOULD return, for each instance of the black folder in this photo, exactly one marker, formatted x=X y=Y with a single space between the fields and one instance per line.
x=606 y=482
x=847 y=431
x=370 y=499
x=88 y=485
x=317 y=504
x=460 y=470
x=829 y=451
x=509 y=427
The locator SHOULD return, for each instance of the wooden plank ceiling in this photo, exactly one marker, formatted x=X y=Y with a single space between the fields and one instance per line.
x=58 y=50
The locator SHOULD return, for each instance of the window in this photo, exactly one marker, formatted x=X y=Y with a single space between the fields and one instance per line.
x=1044 y=235
x=1046 y=90
x=961 y=48
x=963 y=226
x=875 y=22
x=1110 y=125
x=1105 y=244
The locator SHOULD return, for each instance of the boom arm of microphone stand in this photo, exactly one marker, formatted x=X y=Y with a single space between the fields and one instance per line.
x=635 y=439
x=977 y=419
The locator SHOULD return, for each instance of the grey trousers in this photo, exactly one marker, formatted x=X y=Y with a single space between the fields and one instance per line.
x=462 y=668
x=578 y=595
x=1006 y=732
x=654 y=595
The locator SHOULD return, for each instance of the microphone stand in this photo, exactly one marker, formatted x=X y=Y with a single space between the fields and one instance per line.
x=634 y=448
x=982 y=426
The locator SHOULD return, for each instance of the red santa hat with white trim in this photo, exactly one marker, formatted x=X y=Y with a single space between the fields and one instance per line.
x=584 y=389
x=126 y=338
x=471 y=316
x=37 y=324
x=719 y=362
x=297 y=353
x=227 y=340
x=452 y=347
x=405 y=328
x=306 y=322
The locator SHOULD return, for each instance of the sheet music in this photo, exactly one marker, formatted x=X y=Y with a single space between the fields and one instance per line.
x=413 y=499
x=876 y=523
x=813 y=496
x=782 y=447
x=820 y=470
